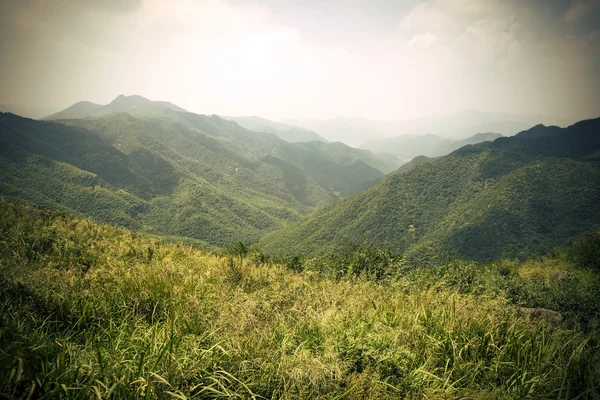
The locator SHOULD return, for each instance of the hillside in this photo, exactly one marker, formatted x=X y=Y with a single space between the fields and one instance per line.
x=171 y=172
x=514 y=197
x=410 y=146
x=289 y=133
x=97 y=311
x=154 y=175
x=250 y=141
x=334 y=165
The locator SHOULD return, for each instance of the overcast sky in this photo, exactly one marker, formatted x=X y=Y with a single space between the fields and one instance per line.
x=307 y=58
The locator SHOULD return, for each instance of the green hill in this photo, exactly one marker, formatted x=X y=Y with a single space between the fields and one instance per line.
x=335 y=166
x=170 y=172
x=96 y=311
x=152 y=174
x=513 y=197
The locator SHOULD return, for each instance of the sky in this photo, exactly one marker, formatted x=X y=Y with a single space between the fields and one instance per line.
x=306 y=59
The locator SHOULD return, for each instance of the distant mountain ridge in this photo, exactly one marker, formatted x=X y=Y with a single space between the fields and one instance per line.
x=289 y=133
x=409 y=146
x=25 y=111
x=457 y=126
x=513 y=197
x=121 y=104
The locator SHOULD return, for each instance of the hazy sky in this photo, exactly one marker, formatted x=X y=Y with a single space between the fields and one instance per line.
x=307 y=58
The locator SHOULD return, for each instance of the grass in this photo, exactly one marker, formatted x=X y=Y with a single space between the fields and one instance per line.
x=95 y=311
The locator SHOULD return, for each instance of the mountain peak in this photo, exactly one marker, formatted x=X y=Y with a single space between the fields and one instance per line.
x=538 y=131
x=133 y=99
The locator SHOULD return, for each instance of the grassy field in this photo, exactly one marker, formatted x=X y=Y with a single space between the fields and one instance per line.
x=96 y=311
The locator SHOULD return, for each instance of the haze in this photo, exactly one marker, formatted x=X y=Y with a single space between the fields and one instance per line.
x=282 y=59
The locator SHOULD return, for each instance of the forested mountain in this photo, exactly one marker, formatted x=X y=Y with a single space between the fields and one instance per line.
x=410 y=146
x=516 y=196
x=154 y=175
x=336 y=166
x=172 y=172
x=289 y=133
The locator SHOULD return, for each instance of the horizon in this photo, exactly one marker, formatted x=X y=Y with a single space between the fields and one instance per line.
x=291 y=121
x=390 y=61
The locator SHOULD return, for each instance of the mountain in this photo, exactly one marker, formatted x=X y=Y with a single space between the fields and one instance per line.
x=356 y=131
x=467 y=123
x=514 y=197
x=335 y=166
x=289 y=133
x=155 y=175
x=135 y=105
x=252 y=143
x=410 y=146
x=351 y=131
x=173 y=173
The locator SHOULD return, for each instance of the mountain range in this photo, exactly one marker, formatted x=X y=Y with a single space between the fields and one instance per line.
x=513 y=197
x=152 y=166
x=289 y=133
x=457 y=126
x=407 y=147
x=155 y=167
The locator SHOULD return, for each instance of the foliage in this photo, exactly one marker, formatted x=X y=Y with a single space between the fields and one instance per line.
x=153 y=175
x=586 y=252
x=92 y=310
x=166 y=171
x=515 y=197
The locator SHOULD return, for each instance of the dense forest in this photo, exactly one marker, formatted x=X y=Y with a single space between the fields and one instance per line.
x=513 y=197
x=174 y=173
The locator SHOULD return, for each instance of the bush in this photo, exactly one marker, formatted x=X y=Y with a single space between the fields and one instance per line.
x=586 y=252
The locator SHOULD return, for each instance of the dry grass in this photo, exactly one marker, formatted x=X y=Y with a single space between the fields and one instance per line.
x=97 y=311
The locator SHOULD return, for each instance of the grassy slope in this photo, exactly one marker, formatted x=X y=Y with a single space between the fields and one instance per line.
x=90 y=310
x=514 y=197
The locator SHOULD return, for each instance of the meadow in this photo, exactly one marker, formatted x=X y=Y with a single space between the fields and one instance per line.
x=98 y=311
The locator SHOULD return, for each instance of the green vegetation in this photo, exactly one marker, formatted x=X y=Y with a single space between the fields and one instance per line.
x=335 y=166
x=153 y=166
x=92 y=310
x=513 y=198
x=153 y=175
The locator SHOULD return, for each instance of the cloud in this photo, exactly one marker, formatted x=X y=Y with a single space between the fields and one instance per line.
x=505 y=55
x=579 y=9
x=426 y=39
x=215 y=56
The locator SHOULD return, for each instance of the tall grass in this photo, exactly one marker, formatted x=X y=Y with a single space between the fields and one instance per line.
x=97 y=311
